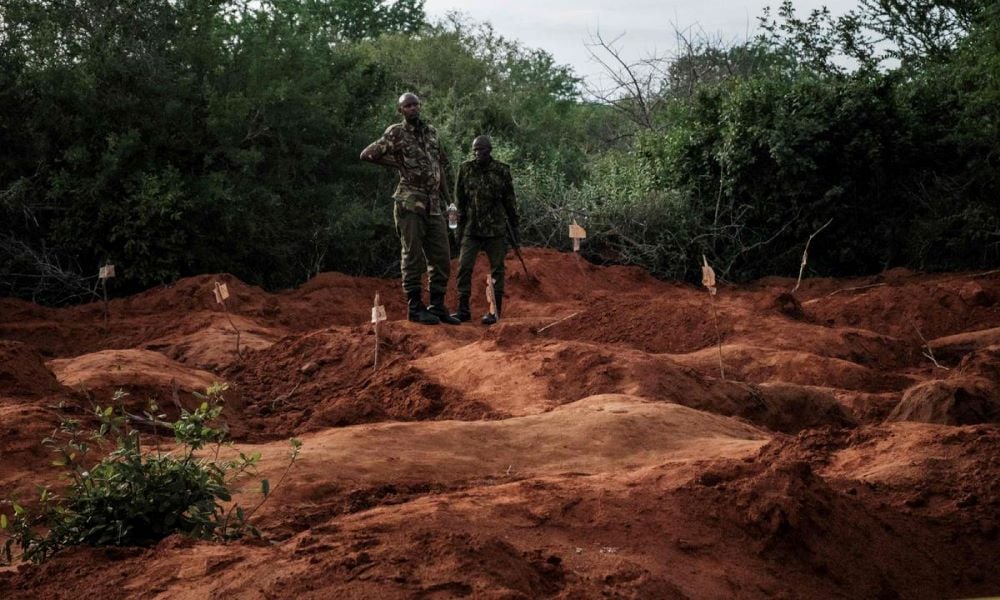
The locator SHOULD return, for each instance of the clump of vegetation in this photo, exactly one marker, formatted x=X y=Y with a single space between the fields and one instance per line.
x=229 y=115
x=135 y=495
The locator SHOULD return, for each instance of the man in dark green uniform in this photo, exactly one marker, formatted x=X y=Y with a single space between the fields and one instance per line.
x=414 y=150
x=486 y=204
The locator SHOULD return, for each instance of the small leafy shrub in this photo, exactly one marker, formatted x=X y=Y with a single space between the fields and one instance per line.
x=135 y=495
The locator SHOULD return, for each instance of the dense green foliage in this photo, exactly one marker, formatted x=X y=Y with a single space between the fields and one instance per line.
x=135 y=496
x=740 y=154
x=181 y=136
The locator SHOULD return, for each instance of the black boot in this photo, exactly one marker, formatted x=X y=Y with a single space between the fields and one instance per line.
x=439 y=310
x=417 y=311
x=463 y=313
x=491 y=318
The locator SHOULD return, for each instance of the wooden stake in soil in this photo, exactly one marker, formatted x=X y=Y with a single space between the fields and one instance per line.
x=221 y=292
x=805 y=255
x=558 y=322
x=378 y=315
x=708 y=280
x=930 y=351
x=104 y=274
x=491 y=296
x=577 y=233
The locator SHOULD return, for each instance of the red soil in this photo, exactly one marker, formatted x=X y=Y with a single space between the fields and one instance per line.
x=598 y=455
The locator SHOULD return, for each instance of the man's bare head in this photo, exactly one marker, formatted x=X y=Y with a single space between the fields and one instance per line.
x=482 y=148
x=408 y=105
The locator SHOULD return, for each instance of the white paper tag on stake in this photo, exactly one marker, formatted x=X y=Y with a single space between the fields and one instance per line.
x=707 y=276
x=106 y=272
x=221 y=292
x=378 y=310
x=491 y=294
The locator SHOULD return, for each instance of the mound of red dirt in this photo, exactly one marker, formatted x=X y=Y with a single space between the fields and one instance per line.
x=209 y=340
x=954 y=347
x=981 y=363
x=900 y=303
x=676 y=320
x=23 y=373
x=337 y=299
x=953 y=401
x=328 y=379
x=188 y=295
x=758 y=364
x=29 y=392
x=791 y=408
x=814 y=520
x=144 y=375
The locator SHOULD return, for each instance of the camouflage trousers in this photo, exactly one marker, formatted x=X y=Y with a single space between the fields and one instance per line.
x=495 y=249
x=424 y=247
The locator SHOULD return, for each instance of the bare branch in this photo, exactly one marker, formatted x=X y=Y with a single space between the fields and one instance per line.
x=930 y=352
x=805 y=254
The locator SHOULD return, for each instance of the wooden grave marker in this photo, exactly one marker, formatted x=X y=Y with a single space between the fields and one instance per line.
x=378 y=315
x=708 y=280
x=221 y=292
x=577 y=233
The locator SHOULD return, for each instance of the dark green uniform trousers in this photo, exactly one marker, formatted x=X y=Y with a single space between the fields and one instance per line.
x=424 y=247
x=495 y=249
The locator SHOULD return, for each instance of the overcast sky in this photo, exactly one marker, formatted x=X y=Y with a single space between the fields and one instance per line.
x=563 y=27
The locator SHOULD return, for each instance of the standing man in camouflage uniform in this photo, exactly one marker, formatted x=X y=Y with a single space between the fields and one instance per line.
x=414 y=150
x=486 y=205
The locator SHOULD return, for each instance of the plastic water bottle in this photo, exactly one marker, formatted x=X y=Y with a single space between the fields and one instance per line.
x=452 y=216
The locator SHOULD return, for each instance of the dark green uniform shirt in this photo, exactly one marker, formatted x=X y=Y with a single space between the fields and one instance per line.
x=485 y=199
x=417 y=153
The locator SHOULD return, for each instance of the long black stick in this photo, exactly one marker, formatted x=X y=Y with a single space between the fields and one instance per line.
x=517 y=248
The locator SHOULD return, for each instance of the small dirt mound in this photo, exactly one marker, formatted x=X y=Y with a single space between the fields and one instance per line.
x=549 y=374
x=14 y=310
x=859 y=346
x=782 y=509
x=866 y=407
x=945 y=472
x=779 y=500
x=899 y=301
x=208 y=340
x=326 y=379
x=490 y=564
x=557 y=276
x=399 y=393
x=337 y=299
x=601 y=434
x=954 y=347
x=788 y=305
x=23 y=374
x=961 y=400
x=757 y=364
x=675 y=322
x=145 y=375
x=790 y=408
x=538 y=376
x=191 y=294
x=27 y=462
x=982 y=363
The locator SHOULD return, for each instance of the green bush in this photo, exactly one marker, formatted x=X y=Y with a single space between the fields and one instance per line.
x=135 y=495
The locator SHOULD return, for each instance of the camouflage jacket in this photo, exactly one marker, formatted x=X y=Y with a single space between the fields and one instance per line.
x=417 y=154
x=485 y=199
